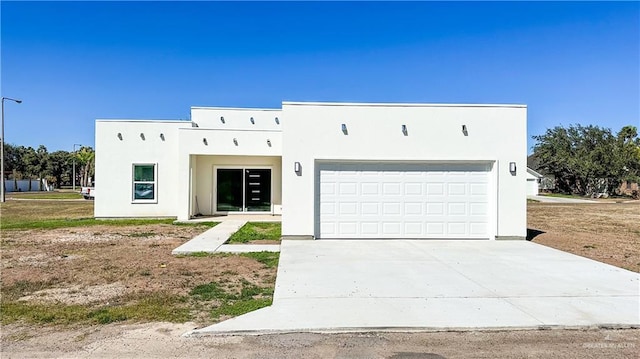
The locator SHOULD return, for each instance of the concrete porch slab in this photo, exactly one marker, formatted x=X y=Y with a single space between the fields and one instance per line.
x=236 y=217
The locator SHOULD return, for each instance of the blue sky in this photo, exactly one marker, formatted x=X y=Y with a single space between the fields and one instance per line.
x=73 y=62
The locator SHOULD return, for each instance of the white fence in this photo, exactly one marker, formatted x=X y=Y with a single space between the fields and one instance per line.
x=26 y=185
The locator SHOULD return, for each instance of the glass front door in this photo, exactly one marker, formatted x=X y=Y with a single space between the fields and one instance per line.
x=257 y=185
x=229 y=195
x=243 y=190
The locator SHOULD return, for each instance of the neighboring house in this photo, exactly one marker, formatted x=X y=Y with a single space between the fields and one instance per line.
x=547 y=182
x=628 y=188
x=333 y=170
x=533 y=182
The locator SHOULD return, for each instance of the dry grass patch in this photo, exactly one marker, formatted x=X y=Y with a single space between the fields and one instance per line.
x=13 y=212
x=606 y=232
x=102 y=274
x=109 y=272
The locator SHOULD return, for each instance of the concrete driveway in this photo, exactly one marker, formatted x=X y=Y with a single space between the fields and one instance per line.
x=549 y=199
x=342 y=285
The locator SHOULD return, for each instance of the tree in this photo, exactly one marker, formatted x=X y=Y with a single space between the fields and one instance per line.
x=29 y=163
x=589 y=159
x=14 y=160
x=86 y=158
x=59 y=167
x=629 y=146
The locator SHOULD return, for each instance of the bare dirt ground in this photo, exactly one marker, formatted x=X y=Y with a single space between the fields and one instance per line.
x=98 y=264
x=606 y=232
x=161 y=340
x=92 y=264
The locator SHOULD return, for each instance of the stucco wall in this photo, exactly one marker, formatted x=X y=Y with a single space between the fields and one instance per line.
x=114 y=160
x=184 y=157
x=434 y=133
x=237 y=118
x=306 y=133
x=199 y=141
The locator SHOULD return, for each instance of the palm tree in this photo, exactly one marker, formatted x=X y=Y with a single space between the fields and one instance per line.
x=86 y=160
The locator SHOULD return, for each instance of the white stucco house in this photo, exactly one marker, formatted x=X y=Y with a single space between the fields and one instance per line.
x=533 y=182
x=332 y=170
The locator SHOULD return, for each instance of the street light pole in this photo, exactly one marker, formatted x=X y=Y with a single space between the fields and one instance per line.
x=2 y=197
x=74 y=164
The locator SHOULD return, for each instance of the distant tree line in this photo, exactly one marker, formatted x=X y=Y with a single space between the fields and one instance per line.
x=589 y=159
x=56 y=168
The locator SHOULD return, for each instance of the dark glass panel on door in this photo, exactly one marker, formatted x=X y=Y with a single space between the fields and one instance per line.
x=229 y=193
x=258 y=190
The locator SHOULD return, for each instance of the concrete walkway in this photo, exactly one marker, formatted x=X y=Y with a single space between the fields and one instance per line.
x=346 y=285
x=213 y=240
x=549 y=199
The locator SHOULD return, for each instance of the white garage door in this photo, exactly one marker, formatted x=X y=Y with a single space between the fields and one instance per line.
x=374 y=200
x=532 y=187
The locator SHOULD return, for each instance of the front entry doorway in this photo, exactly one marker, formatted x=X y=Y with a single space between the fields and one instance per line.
x=243 y=189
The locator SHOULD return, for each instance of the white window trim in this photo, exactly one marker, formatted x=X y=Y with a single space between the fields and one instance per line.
x=155 y=183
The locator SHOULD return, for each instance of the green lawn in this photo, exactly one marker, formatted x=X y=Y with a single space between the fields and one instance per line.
x=44 y=195
x=257 y=231
x=51 y=214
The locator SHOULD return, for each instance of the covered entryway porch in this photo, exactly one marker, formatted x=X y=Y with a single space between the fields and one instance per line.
x=235 y=185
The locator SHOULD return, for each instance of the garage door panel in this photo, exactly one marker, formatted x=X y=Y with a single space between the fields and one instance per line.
x=435 y=208
x=403 y=201
x=328 y=188
x=370 y=208
x=391 y=189
x=478 y=209
x=435 y=189
x=348 y=228
x=456 y=229
x=457 y=189
x=414 y=209
x=391 y=209
x=413 y=188
x=348 y=208
x=328 y=209
x=328 y=229
x=413 y=229
x=369 y=189
x=457 y=209
x=348 y=189
x=435 y=229
x=478 y=228
x=478 y=189
x=369 y=228
x=391 y=229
